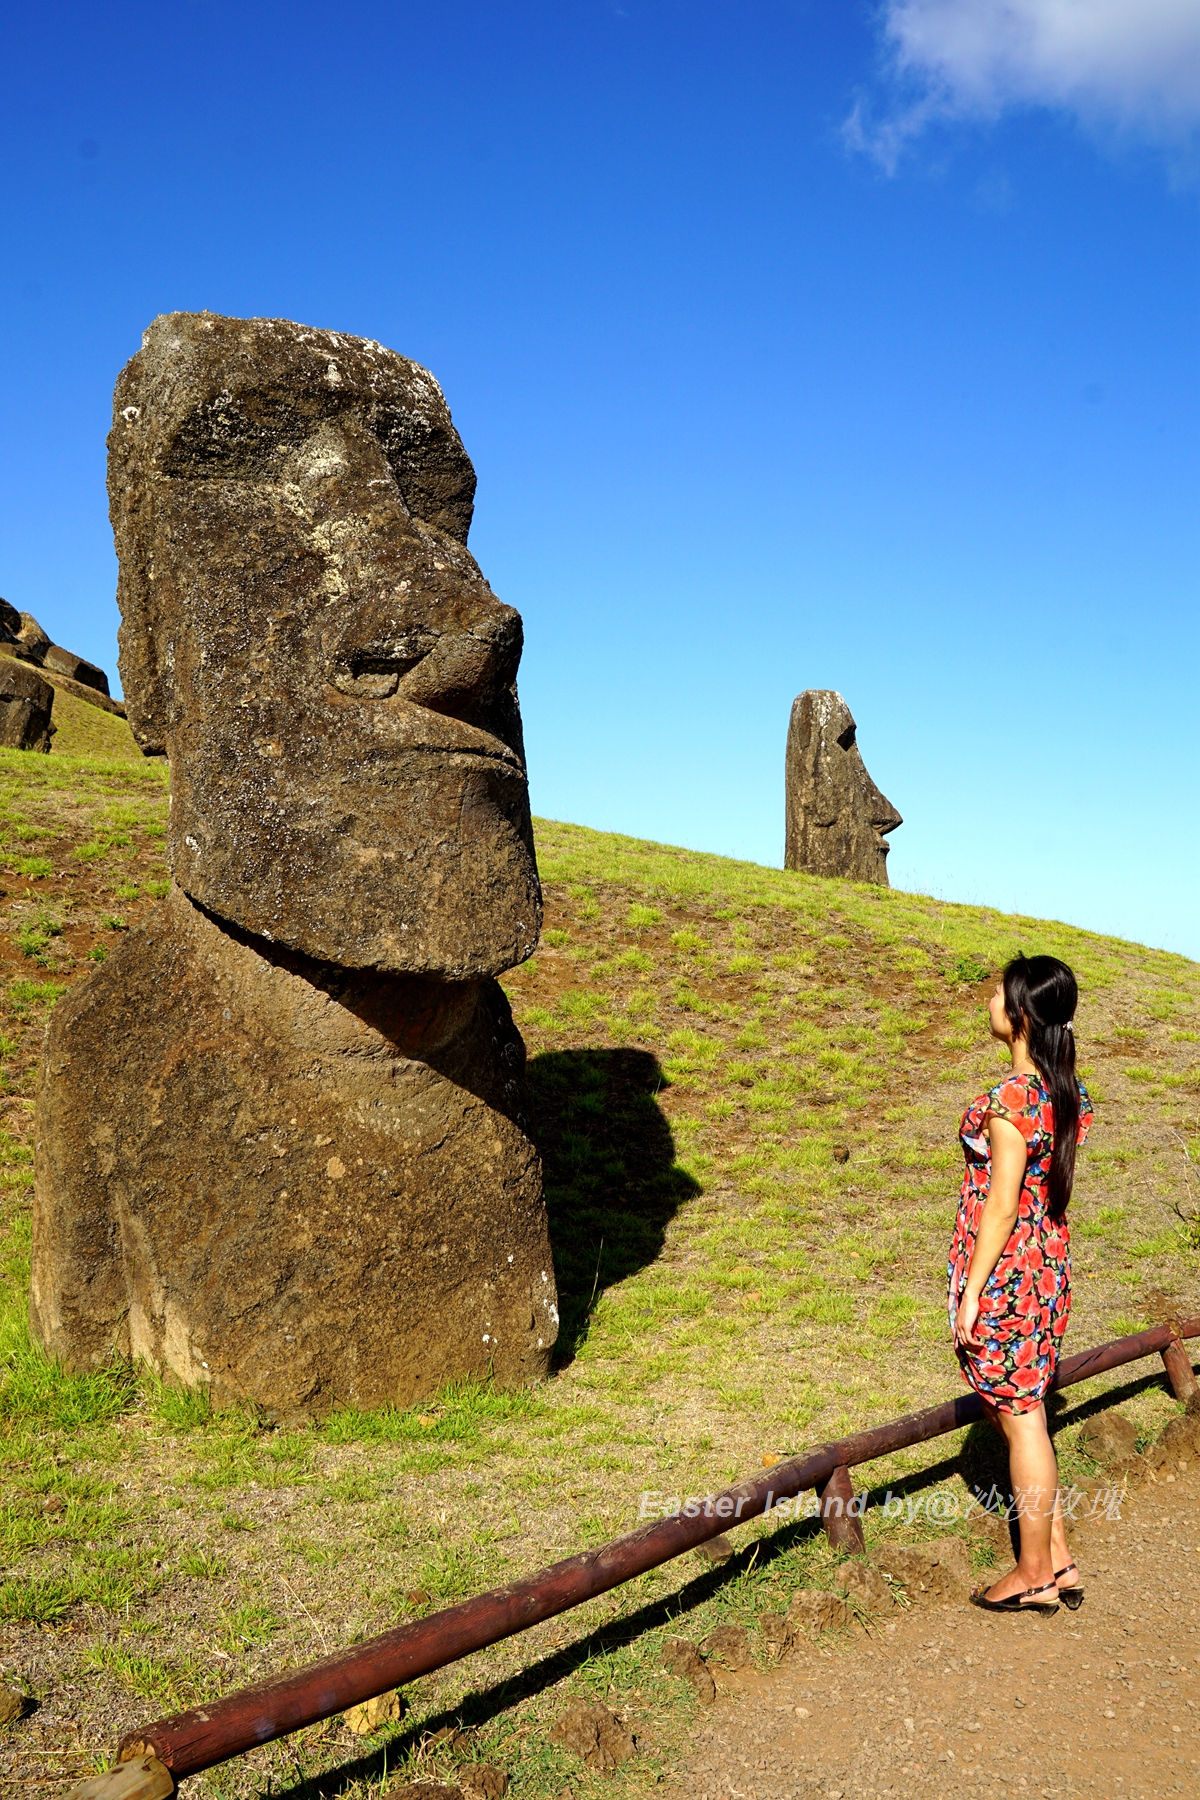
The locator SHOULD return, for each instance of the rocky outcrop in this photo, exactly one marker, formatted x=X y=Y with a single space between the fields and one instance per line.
x=26 y=705
x=837 y=819
x=813 y=1610
x=58 y=661
x=284 y=1147
x=28 y=641
x=31 y=641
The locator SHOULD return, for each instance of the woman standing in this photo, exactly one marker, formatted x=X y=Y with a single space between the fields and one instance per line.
x=1010 y=1262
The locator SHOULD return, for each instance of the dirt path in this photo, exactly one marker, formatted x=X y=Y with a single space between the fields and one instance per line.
x=949 y=1701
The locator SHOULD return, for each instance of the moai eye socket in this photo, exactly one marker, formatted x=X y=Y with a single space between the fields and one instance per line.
x=232 y=438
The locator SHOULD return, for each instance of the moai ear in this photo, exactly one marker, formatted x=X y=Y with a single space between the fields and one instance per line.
x=130 y=499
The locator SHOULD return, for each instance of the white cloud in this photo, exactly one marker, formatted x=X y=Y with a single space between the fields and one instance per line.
x=1133 y=64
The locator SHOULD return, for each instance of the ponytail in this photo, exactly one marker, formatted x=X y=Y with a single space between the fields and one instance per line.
x=1040 y=997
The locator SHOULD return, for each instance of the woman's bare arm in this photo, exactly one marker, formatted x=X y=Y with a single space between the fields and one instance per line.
x=1009 y=1152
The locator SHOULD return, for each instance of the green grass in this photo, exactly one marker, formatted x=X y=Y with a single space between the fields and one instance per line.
x=203 y=1565
x=24 y=994
x=166 y=1686
x=39 y=1599
x=35 y=868
x=84 y=730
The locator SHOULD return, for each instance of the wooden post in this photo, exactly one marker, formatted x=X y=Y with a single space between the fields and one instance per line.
x=1180 y=1373
x=843 y=1527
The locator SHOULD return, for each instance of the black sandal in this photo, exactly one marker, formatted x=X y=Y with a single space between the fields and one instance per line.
x=1072 y=1597
x=1017 y=1602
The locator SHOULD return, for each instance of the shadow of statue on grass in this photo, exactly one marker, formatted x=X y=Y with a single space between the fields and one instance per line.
x=612 y=1182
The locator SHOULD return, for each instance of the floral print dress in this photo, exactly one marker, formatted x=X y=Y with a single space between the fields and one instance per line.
x=1024 y=1307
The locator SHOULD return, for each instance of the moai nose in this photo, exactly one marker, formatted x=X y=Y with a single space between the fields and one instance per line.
x=462 y=669
x=465 y=671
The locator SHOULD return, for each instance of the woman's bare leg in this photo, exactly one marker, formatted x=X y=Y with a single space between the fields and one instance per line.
x=1033 y=1472
x=1060 y=1551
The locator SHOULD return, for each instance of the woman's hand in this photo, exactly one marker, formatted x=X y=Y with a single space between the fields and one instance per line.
x=966 y=1322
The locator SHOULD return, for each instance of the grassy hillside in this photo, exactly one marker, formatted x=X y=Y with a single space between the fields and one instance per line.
x=748 y=1086
x=82 y=729
x=785 y=1022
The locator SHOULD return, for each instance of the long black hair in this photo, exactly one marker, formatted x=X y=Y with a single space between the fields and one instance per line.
x=1040 y=997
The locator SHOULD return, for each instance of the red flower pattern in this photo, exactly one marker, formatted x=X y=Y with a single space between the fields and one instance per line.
x=1024 y=1308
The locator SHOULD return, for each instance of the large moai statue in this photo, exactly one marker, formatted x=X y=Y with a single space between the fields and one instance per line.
x=283 y=1141
x=837 y=818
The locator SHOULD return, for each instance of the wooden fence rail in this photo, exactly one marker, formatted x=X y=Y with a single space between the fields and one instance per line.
x=170 y=1749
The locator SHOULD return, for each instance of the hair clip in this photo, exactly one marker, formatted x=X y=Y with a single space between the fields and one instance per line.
x=1069 y=1027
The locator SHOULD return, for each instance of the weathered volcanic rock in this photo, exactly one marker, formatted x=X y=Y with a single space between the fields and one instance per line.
x=307 y=636
x=32 y=645
x=482 y=1781
x=75 y=668
x=813 y=1610
x=593 y=1732
x=26 y=704
x=683 y=1658
x=729 y=1644
x=13 y=1705
x=864 y=1584
x=295 y=1184
x=282 y=1147
x=32 y=641
x=937 y=1570
x=836 y=816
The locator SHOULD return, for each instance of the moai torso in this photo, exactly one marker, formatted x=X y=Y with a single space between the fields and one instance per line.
x=283 y=1137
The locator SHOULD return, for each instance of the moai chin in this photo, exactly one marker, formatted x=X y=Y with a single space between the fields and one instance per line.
x=284 y=1147
x=837 y=819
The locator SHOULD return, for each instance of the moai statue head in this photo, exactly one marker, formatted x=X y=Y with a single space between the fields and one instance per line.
x=307 y=637
x=836 y=816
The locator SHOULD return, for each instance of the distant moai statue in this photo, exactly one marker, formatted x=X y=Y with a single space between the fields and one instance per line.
x=837 y=819
x=284 y=1146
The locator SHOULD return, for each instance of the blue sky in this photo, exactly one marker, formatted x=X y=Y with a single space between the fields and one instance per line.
x=795 y=344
